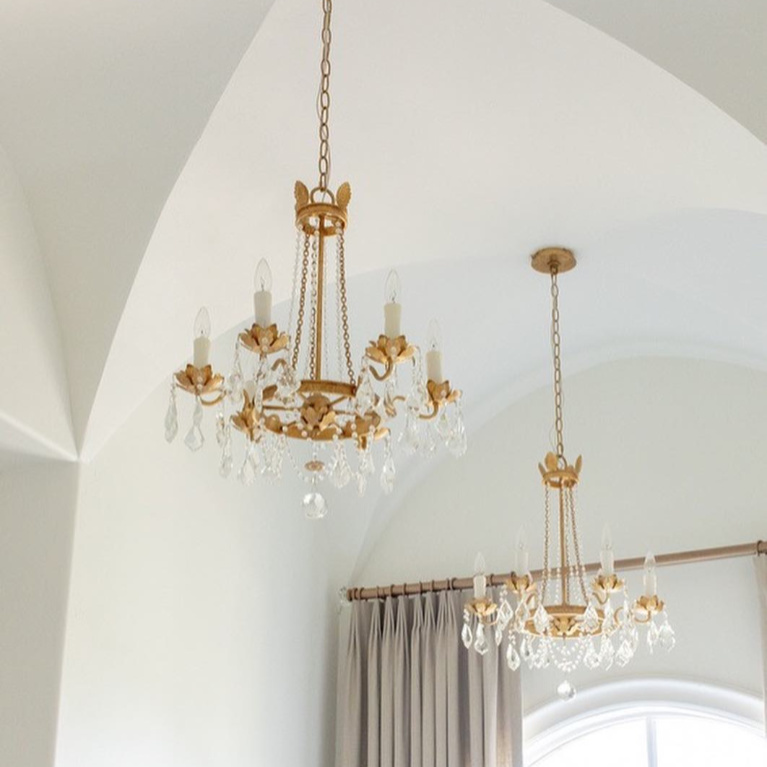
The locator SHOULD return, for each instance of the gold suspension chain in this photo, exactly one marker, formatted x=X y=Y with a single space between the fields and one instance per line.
x=323 y=99
x=555 y=345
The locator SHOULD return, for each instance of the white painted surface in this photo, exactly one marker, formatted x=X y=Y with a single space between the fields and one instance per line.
x=202 y=621
x=37 y=512
x=34 y=402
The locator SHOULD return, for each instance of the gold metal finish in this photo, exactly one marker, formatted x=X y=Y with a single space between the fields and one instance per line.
x=546 y=259
x=264 y=341
x=201 y=382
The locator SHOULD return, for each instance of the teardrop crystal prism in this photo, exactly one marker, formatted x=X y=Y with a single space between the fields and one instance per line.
x=194 y=439
x=387 y=475
x=513 y=660
x=480 y=641
x=566 y=690
x=466 y=635
x=314 y=505
x=171 y=420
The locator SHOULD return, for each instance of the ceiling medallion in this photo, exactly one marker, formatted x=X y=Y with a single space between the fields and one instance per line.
x=295 y=392
x=563 y=619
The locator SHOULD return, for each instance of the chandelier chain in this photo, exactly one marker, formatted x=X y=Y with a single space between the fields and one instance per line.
x=546 y=542
x=344 y=306
x=312 y=362
x=301 y=304
x=556 y=350
x=579 y=568
x=323 y=98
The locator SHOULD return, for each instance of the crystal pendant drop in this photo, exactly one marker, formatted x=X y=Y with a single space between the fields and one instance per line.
x=566 y=691
x=387 y=475
x=652 y=635
x=366 y=396
x=466 y=636
x=666 y=636
x=498 y=636
x=341 y=473
x=590 y=620
x=171 y=419
x=195 y=439
x=220 y=427
x=225 y=467
x=591 y=657
x=541 y=619
x=249 y=469
x=409 y=437
x=505 y=614
x=235 y=386
x=525 y=651
x=314 y=505
x=287 y=384
x=480 y=641
x=606 y=653
x=513 y=660
x=624 y=654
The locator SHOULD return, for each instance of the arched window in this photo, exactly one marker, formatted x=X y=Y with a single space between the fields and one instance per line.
x=650 y=724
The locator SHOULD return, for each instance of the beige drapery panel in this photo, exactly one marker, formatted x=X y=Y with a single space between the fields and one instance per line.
x=760 y=565
x=410 y=695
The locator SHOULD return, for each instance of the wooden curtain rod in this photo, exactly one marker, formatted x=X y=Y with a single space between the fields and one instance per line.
x=635 y=563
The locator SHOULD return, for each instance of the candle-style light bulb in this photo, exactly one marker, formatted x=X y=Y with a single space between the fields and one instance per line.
x=434 y=353
x=650 y=578
x=607 y=558
x=522 y=566
x=201 y=338
x=392 y=307
x=434 y=336
x=262 y=297
x=262 y=279
x=202 y=324
x=480 y=582
x=392 y=288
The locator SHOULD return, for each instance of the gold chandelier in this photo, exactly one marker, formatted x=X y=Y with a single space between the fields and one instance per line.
x=291 y=387
x=563 y=620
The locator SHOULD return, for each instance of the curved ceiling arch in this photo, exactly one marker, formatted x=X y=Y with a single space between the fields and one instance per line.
x=495 y=174
x=102 y=102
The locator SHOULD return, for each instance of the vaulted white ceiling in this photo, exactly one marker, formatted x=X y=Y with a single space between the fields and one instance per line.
x=158 y=171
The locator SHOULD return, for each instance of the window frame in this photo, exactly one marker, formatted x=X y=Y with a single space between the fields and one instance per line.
x=556 y=723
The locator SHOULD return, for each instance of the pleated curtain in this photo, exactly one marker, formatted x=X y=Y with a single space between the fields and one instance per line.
x=760 y=563
x=410 y=695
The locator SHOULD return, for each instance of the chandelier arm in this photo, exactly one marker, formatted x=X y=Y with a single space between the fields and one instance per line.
x=323 y=98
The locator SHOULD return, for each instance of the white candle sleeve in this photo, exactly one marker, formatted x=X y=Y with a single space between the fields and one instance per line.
x=607 y=559
x=201 y=351
x=262 y=305
x=480 y=586
x=392 y=320
x=434 y=366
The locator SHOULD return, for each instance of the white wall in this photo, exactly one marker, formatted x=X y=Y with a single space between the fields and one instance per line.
x=37 y=509
x=673 y=457
x=202 y=626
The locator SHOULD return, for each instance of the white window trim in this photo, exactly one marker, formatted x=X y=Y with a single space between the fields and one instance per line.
x=555 y=723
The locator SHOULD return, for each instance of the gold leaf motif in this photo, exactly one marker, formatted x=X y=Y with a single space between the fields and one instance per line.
x=578 y=464
x=551 y=462
x=343 y=195
x=302 y=194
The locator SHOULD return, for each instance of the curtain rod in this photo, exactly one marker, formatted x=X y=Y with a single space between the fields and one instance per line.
x=635 y=563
